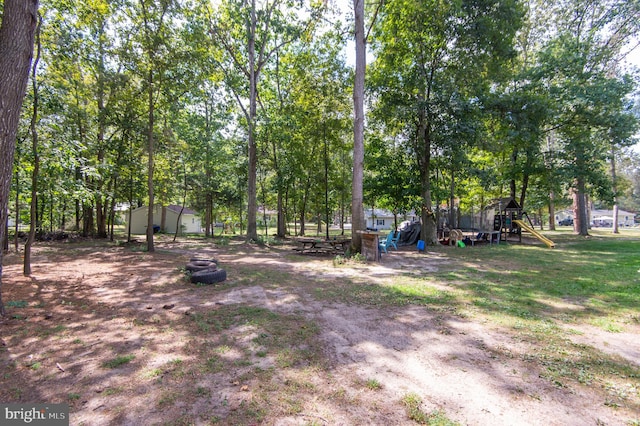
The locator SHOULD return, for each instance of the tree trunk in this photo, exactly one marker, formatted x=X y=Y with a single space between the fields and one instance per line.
x=540 y=215
x=357 y=209
x=112 y=208
x=87 y=220
x=17 y=32
x=552 y=211
x=36 y=158
x=5 y=239
x=326 y=179
x=163 y=217
x=240 y=208
x=580 y=219
x=281 y=232
x=614 y=187
x=523 y=191
x=150 y=164
x=452 y=200
x=78 y=209
x=252 y=200
x=101 y=204
x=17 y=224
x=429 y=229
x=305 y=202
x=207 y=215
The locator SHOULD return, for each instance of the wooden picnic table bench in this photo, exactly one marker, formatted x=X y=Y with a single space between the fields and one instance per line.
x=309 y=245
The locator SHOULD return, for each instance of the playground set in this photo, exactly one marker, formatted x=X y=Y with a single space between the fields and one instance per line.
x=510 y=221
x=507 y=223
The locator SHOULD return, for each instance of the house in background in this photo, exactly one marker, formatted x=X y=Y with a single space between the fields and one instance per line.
x=604 y=218
x=189 y=220
x=600 y=218
x=382 y=220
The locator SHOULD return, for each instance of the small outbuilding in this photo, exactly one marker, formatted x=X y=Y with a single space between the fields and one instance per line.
x=189 y=221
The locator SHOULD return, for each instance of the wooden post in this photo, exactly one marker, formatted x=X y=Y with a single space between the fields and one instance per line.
x=370 y=246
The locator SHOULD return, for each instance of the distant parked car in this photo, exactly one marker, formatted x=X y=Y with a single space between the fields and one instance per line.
x=566 y=222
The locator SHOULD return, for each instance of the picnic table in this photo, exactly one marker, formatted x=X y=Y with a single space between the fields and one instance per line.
x=310 y=245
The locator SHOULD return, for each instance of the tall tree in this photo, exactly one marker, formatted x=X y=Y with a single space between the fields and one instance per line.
x=153 y=23
x=305 y=102
x=357 y=208
x=449 y=54
x=250 y=33
x=579 y=66
x=36 y=156
x=157 y=57
x=19 y=20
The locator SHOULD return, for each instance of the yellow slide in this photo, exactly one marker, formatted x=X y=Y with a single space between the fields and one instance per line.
x=535 y=233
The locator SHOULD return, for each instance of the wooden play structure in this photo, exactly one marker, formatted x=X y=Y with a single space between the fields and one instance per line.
x=509 y=220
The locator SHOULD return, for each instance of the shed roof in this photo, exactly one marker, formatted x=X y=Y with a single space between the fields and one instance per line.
x=175 y=208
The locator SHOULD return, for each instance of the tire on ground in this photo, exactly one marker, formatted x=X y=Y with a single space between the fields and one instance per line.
x=200 y=265
x=209 y=277
x=203 y=259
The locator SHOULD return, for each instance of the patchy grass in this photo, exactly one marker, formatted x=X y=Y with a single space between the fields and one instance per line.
x=413 y=405
x=534 y=291
x=118 y=361
x=373 y=384
x=211 y=361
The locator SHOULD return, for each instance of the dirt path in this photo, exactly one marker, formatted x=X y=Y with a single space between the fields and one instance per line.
x=474 y=372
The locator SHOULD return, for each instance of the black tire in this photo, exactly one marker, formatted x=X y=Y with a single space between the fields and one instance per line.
x=202 y=259
x=200 y=265
x=209 y=277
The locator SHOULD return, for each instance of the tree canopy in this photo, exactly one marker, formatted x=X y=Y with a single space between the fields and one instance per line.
x=239 y=107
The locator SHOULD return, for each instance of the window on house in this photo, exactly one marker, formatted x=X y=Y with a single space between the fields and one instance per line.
x=193 y=220
x=380 y=222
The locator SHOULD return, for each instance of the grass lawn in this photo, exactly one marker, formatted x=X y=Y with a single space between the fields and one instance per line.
x=118 y=333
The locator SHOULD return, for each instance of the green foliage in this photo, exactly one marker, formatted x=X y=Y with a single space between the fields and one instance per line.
x=435 y=61
x=469 y=100
x=354 y=258
x=589 y=107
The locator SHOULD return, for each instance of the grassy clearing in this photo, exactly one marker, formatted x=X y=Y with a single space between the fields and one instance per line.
x=539 y=294
x=582 y=282
x=594 y=282
x=276 y=361
x=536 y=292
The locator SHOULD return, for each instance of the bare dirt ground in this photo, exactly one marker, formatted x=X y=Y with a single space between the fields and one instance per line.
x=87 y=305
